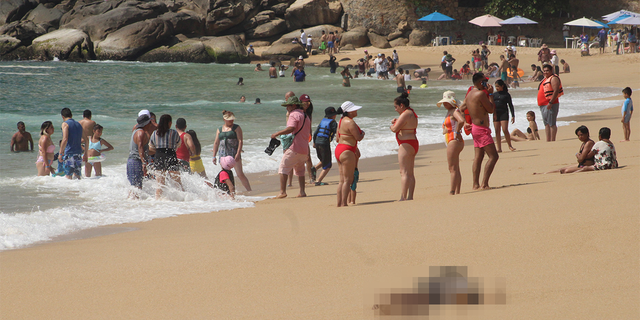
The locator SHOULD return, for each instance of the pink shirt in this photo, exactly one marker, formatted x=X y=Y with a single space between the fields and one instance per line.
x=301 y=141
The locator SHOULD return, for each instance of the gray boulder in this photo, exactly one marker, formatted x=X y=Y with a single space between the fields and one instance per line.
x=223 y=18
x=100 y=26
x=226 y=49
x=24 y=31
x=394 y=35
x=315 y=32
x=303 y=13
x=48 y=18
x=400 y=42
x=14 y=10
x=259 y=43
x=185 y=22
x=419 y=38
x=378 y=41
x=66 y=44
x=192 y=50
x=381 y=16
x=348 y=47
x=280 y=9
x=7 y=44
x=268 y=29
x=76 y=16
x=284 y=51
x=131 y=41
x=356 y=37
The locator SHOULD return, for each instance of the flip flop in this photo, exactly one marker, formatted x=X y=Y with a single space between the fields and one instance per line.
x=321 y=184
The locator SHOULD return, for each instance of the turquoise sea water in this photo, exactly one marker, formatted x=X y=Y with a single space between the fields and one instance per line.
x=37 y=208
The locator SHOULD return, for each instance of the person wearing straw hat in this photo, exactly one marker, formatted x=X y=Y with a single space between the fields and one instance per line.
x=229 y=142
x=347 y=152
x=452 y=130
x=296 y=154
x=479 y=102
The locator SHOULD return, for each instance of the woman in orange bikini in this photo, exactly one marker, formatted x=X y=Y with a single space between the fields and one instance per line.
x=405 y=128
x=347 y=153
x=452 y=128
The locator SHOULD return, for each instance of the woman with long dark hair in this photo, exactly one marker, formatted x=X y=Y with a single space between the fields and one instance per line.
x=163 y=143
x=45 y=149
x=347 y=152
x=404 y=126
x=502 y=99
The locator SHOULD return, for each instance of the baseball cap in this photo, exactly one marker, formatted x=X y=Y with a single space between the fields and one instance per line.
x=144 y=111
x=305 y=98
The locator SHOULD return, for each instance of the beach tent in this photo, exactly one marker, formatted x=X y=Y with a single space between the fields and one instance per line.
x=436 y=17
x=486 y=21
x=615 y=15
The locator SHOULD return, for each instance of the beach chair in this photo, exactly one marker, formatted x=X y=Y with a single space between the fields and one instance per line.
x=492 y=40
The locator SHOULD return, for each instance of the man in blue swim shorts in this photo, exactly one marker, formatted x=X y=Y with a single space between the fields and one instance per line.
x=71 y=145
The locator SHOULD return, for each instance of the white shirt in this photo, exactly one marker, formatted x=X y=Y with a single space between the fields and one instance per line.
x=303 y=38
x=407 y=77
x=309 y=41
x=513 y=48
x=554 y=59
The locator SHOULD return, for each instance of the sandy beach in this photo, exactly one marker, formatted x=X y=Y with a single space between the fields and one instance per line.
x=567 y=246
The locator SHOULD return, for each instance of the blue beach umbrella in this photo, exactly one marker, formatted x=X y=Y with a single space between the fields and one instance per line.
x=602 y=25
x=436 y=17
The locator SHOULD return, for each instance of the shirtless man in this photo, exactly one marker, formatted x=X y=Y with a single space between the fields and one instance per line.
x=504 y=68
x=480 y=103
x=331 y=38
x=273 y=72
x=20 y=139
x=514 y=62
x=400 y=80
x=87 y=125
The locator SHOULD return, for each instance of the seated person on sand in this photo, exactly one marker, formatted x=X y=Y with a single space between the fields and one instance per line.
x=420 y=74
x=532 y=130
x=537 y=75
x=584 y=156
x=603 y=153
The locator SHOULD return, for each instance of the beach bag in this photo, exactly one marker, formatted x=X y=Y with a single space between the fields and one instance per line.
x=323 y=46
x=287 y=139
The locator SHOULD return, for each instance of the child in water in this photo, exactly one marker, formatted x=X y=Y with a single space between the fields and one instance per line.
x=224 y=180
x=93 y=155
x=60 y=170
x=345 y=77
x=240 y=82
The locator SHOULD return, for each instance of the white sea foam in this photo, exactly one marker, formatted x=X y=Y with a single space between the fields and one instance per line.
x=89 y=203
x=25 y=73
x=26 y=67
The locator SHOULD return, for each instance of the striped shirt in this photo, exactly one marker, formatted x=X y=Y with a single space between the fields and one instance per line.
x=170 y=140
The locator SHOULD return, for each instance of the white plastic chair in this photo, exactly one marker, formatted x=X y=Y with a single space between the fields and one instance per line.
x=492 y=40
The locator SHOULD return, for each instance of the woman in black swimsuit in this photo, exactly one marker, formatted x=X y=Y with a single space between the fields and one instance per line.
x=582 y=156
x=502 y=99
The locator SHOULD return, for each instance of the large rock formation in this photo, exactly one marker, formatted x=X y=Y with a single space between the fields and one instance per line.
x=47 y=18
x=378 y=41
x=76 y=16
x=191 y=50
x=127 y=13
x=419 y=38
x=356 y=37
x=269 y=29
x=381 y=16
x=226 y=49
x=14 y=10
x=284 y=51
x=305 y=13
x=133 y=40
x=185 y=22
x=25 y=31
x=65 y=44
x=7 y=44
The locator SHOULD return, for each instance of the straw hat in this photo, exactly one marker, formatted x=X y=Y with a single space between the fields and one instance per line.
x=553 y=51
x=228 y=115
x=544 y=46
x=449 y=97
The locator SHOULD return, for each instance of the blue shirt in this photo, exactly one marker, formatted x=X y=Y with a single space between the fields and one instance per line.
x=627 y=106
x=299 y=75
x=602 y=35
x=74 y=140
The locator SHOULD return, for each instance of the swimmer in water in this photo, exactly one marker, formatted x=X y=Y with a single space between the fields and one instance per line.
x=95 y=150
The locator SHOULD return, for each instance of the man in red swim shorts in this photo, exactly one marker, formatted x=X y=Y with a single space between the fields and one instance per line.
x=480 y=103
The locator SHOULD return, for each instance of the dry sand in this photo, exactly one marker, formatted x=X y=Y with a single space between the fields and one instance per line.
x=566 y=245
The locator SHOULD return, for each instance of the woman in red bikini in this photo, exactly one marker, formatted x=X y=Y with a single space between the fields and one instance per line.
x=347 y=152
x=405 y=128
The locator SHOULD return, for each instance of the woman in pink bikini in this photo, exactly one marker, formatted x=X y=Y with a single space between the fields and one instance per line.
x=347 y=152
x=405 y=129
x=45 y=149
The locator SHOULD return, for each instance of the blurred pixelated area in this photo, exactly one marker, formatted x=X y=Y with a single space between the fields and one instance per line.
x=446 y=285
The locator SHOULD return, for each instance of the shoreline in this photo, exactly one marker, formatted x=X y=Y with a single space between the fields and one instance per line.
x=544 y=234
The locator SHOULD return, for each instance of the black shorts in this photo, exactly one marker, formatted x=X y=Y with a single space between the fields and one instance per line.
x=400 y=90
x=166 y=160
x=500 y=115
x=324 y=154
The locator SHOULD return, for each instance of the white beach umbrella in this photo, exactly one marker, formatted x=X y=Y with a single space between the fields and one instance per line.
x=486 y=21
x=518 y=20
x=635 y=21
x=583 y=22
x=615 y=15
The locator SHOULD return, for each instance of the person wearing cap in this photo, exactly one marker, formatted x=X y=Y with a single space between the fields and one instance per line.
x=452 y=130
x=296 y=155
x=250 y=50
x=322 y=138
x=347 y=152
x=228 y=142
x=138 y=149
x=405 y=129
x=555 y=62
x=479 y=102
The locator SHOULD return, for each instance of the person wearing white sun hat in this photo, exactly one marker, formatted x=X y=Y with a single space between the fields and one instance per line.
x=452 y=130
x=347 y=153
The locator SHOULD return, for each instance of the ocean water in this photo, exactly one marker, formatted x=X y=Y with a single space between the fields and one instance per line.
x=34 y=209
